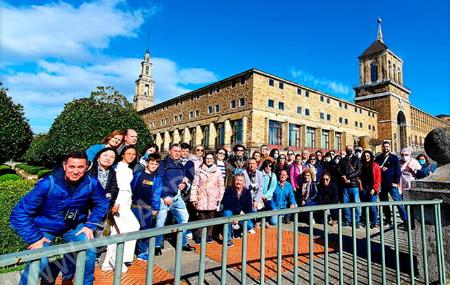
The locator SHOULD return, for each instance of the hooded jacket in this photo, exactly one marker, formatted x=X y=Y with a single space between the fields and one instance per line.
x=207 y=188
x=44 y=208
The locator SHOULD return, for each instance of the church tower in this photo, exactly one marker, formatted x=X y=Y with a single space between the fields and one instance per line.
x=144 y=85
x=381 y=89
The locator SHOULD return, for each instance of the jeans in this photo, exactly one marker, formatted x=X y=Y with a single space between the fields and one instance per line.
x=366 y=197
x=179 y=212
x=351 y=194
x=145 y=219
x=396 y=196
x=269 y=206
x=48 y=272
x=229 y=213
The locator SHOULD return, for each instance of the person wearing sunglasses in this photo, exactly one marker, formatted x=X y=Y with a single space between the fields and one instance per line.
x=328 y=195
x=316 y=167
x=290 y=157
x=225 y=168
x=371 y=181
x=238 y=161
x=281 y=164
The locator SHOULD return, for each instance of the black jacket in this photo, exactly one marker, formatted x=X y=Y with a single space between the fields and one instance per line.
x=351 y=168
x=111 y=184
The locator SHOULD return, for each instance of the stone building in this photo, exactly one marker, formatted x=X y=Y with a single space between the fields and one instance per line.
x=255 y=107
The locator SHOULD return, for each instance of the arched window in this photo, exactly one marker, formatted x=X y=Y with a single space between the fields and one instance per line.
x=373 y=71
x=146 y=89
x=389 y=69
x=394 y=74
x=399 y=75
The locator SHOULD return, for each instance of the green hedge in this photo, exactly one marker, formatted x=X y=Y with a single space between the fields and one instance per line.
x=9 y=177
x=43 y=173
x=5 y=167
x=10 y=193
x=33 y=170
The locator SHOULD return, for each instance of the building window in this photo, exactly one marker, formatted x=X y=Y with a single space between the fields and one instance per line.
x=233 y=83
x=242 y=80
x=217 y=108
x=299 y=91
x=191 y=114
x=325 y=139
x=310 y=137
x=217 y=88
x=181 y=117
x=193 y=133
x=337 y=141
x=322 y=116
x=197 y=113
x=306 y=112
x=373 y=71
x=210 y=109
x=274 y=132
x=356 y=124
x=299 y=110
x=294 y=135
x=328 y=100
x=340 y=120
x=220 y=134
x=210 y=91
x=205 y=140
x=232 y=104
x=270 y=103
x=340 y=104
x=281 y=85
x=241 y=102
x=360 y=124
x=345 y=106
x=321 y=98
x=306 y=93
x=356 y=109
x=328 y=117
x=281 y=105
x=236 y=136
x=271 y=82
x=346 y=121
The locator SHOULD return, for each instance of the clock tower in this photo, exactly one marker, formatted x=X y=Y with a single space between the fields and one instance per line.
x=144 y=85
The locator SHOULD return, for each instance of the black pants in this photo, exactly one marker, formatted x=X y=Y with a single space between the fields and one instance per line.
x=205 y=215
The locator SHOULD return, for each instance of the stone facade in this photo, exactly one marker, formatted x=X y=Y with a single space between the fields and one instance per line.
x=255 y=108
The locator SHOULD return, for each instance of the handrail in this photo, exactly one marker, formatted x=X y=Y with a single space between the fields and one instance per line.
x=28 y=255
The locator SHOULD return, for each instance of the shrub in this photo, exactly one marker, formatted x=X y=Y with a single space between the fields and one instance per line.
x=43 y=173
x=10 y=193
x=5 y=167
x=9 y=177
x=33 y=170
x=36 y=153
x=15 y=132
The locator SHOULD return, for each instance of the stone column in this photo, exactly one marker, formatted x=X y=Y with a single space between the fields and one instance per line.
x=158 y=140
x=187 y=135
x=331 y=139
x=212 y=136
x=228 y=133
x=166 y=141
x=176 y=136
x=198 y=135
x=285 y=134
x=244 y=130
x=302 y=136
x=318 y=135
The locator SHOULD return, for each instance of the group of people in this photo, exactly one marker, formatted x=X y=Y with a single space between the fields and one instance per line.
x=112 y=189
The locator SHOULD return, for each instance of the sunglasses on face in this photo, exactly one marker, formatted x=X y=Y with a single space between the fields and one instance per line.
x=199 y=149
x=239 y=150
x=326 y=179
x=221 y=152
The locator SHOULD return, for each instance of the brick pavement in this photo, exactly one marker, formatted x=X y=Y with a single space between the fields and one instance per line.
x=234 y=254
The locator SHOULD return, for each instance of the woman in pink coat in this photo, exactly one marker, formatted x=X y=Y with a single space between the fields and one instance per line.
x=295 y=172
x=207 y=192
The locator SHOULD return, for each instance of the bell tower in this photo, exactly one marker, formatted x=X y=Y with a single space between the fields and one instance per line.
x=144 y=85
x=381 y=88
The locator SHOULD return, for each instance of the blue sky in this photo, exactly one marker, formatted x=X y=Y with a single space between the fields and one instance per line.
x=54 y=51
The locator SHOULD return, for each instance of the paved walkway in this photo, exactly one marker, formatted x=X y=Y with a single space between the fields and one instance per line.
x=164 y=265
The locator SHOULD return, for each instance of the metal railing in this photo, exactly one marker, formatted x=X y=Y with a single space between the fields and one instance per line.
x=34 y=256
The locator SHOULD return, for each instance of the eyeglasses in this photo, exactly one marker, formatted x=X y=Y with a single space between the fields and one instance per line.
x=312 y=159
x=290 y=153
x=239 y=150
x=199 y=149
x=326 y=179
x=221 y=152
x=282 y=157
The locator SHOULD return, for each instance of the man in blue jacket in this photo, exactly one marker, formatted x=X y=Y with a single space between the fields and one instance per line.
x=67 y=204
x=146 y=187
x=174 y=182
x=390 y=179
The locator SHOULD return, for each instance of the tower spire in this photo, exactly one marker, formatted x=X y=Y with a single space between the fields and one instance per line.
x=380 y=32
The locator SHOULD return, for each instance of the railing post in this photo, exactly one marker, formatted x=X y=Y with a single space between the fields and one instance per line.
x=341 y=249
x=444 y=270
x=369 y=249
x=178 y=249
x=355 y=256
x=223 y=273
x=151 y=260
x=279 y=249
x=397 y=254
x=80 y=267
x=410 y=246
x=438 y=245
x=201 y=275
x=118 y=264
x=325 y=259
x=424 y=243
x=295 y=248
x=33 y=272
x=262 y=251
x=244 y=253
x=383 y=259
x=311 y=248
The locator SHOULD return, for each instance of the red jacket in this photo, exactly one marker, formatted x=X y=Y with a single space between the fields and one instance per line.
x=376 y=170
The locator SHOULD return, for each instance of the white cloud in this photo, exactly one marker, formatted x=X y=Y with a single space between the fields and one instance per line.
x=44 y=92
x=334 y=87
x=61 y=30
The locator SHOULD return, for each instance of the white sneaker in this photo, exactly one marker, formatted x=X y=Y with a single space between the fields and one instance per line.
x=252 y=231
x=189 y=235
x=107 y=268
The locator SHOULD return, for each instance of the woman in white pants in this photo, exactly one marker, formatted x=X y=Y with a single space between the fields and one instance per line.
x=125 y=221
